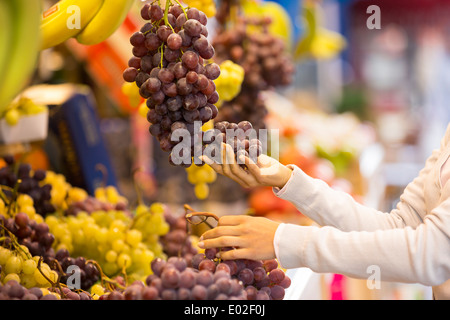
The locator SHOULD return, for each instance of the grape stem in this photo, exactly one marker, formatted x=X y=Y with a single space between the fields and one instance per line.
x=193 y=213
x=104 y=278
x=166 y=15
x=14 y=242
x=182 y=8
x=54 y=284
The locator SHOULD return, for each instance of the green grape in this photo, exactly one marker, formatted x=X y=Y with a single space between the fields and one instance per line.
x=111 y=256
x=11 y=276
x=29 y=266
x=13 y=265
x=5 y=254
x=124 y=261
x=133 y=238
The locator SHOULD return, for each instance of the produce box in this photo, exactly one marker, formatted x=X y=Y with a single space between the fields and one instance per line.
x=29 y=129
x=75 y=145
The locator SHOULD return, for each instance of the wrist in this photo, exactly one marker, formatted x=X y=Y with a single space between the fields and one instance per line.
x=285 y=176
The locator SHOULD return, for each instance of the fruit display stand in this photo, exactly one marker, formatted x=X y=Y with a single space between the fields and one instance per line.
x=156 y=67
x=70 y=219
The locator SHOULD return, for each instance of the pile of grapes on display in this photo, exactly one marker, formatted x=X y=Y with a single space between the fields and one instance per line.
x=174 y=279
x=27 y=181
x=34 y=236
x=115 y=239
x=262 y=280
x=169 y=65
x=177 y=242
x=13 y=290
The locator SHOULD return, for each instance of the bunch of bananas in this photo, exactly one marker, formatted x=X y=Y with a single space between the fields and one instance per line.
x=89 y=21
x=19 y=46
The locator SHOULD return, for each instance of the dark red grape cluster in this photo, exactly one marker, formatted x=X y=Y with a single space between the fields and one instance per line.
x=169 y=65
x=89 y=273
x=241 y=137
x=35 y=236
x=248 y=105
x=12 y=290
x=261 y=54
x=177 y=243
x=92 y=204
x=262 y=280
x=264 y=59
x=67 y=294
x=175 y=280
x=27 y=181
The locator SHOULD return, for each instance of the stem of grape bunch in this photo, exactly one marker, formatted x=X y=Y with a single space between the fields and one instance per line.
x=105 y=279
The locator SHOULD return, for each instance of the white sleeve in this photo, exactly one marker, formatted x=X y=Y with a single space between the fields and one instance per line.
x=407 y=255
x=329 y=207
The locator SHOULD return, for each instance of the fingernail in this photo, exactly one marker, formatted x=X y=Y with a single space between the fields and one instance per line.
x=201 y=245
x=218 y=255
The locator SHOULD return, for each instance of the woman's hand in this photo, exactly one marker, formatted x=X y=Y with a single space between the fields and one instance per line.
x=251 y=236
x=268 y=172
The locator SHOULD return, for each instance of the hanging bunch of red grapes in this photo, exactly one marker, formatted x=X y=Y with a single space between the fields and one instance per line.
x=249 y=43
x=172 y=66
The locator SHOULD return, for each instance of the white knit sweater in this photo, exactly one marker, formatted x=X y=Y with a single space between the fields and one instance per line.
x=411 y=244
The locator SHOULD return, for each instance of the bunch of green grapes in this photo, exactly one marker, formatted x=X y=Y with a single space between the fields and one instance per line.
x=115 y=240
x=24 y=203
x=110 y=194
x=201 y=177
x=18 y=264
x=62 y=193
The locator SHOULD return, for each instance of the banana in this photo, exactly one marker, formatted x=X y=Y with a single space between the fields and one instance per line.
x=318 y=42
x=22 y=50
x=6 y=36
x=55 y=25
x=281 y=22
x=110 y=16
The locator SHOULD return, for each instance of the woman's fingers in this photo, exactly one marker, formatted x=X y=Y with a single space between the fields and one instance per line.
x=215 y=166
x=221 y=242
x=236 y=254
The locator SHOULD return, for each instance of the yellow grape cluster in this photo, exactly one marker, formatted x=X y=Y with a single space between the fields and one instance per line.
x=109 y=194
x=201 y=177
x=20 y=266
x=230 y=80
x=63 y=193
x=207 y=6
x=24 y=203
x=22 y=107
x=114 y=238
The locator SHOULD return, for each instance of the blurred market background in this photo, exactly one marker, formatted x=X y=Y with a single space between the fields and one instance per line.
x=365 y=108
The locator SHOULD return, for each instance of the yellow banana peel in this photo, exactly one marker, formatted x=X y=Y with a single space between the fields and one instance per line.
x=108 y=19
x=318 y=42
x=66 y=19
x=281 y=21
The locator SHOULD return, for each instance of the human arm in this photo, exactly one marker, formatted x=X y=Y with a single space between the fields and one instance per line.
x=409 y=255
